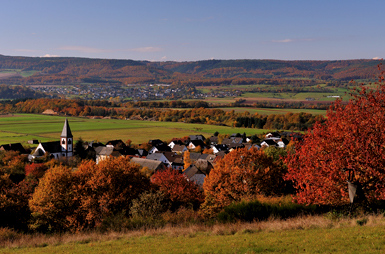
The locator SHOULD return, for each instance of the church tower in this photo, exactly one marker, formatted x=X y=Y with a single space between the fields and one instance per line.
x=66 y=140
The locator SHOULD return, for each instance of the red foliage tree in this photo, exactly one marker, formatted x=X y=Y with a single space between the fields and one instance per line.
x=178 y=188
x=35 y=169
x=353 y=138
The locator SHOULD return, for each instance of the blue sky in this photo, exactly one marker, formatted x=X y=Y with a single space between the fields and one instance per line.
x=183 y=30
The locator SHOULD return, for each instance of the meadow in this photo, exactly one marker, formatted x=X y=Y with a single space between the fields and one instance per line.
x=313 y=234
x=24 y=127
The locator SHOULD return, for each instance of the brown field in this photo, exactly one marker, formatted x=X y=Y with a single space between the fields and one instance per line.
x=9 y=75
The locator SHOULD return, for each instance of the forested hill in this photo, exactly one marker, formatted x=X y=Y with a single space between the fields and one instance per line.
x=60 y=70
x=342 y=69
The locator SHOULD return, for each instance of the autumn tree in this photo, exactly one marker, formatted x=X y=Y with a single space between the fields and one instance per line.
x=241 y=175
x=177 y=188
x=13 y=163
x=105 y=189
x=352 y=138
x=67 y=200
x=53 y=200
x=14 y=209
x=35 y=170
x=186 y=159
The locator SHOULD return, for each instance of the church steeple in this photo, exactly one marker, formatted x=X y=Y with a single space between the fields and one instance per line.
x=66 y=140
x=66 y=133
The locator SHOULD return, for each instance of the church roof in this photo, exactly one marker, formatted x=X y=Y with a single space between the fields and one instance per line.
x=66 y=133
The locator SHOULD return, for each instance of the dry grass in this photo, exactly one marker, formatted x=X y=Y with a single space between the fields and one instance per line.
x=10 y=239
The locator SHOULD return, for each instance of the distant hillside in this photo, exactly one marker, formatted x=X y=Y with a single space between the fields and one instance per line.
x=324 y=70
x=71 y=70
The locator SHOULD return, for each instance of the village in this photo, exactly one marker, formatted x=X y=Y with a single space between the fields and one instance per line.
x=131 y=91
x=194 y=155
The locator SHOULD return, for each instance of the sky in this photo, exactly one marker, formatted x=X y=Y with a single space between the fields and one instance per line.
x=181 y=30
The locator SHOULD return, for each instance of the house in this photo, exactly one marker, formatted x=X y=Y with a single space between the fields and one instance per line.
x=155 y=142
x=218 y=148
x=237 y=140
x=17 y=147
x=160 y=148
x=197 y=137
x=234 y=146
x=179 y=149
x=150 y=164
x=283 y=142
x=176 y=142
x=273 y=136
x=195 y=175
x=142 y=153
x=195 y=143
x=204 y=165
x=117 y=144
x=104 y=152
x=159 y=157
x=57 y=149
x=213 y=140
x=175 y=160
x=268 y=142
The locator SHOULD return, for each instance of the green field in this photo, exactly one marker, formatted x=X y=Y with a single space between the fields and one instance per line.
x=19 y=71
x=23 y=127
x=350 y=239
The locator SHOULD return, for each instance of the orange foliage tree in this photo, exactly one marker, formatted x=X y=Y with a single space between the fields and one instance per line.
x=66 y=200
x=186 y=159
x=241 y=175
x=351 y=138
x=105 y=189
x=53 y=200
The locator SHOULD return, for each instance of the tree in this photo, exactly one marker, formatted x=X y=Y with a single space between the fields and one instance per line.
x=351 y=138
x=105 y=189
x=35 y=170
x=241 y=175
x=53 y=200
x=186 y=159
x=177 y=188
x=67 y=200
x=79 y=149
x=14 y=209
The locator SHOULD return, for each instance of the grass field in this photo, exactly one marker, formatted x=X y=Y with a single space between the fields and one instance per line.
x=15 y=72
x=299 y=235
x=23 y=127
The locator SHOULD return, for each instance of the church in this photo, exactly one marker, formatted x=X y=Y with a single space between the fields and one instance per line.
x=57 y=149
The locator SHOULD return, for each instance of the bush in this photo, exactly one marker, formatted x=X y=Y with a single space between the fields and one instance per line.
x=182 y=216
x=255 y=210
x=7 y=234
x=149 y=205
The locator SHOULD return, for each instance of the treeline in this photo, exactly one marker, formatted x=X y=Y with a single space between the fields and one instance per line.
x=289 y=121
x=298 y=121
x=18 y=92
x=168 y=104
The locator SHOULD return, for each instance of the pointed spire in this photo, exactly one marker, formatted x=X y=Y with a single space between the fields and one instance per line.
x=66 y=133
